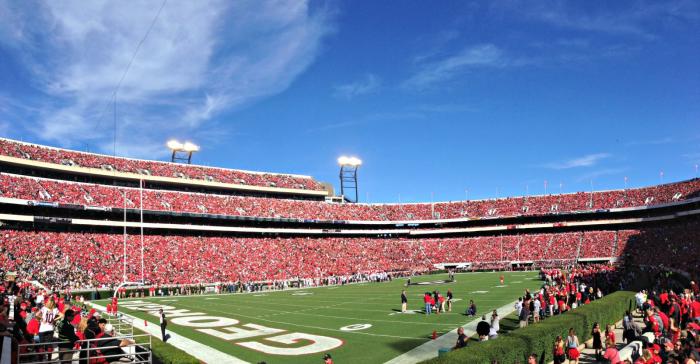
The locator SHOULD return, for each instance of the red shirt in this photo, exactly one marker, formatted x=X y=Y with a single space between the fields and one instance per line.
x=33 y=327
x=695 y=309
x=611 y=335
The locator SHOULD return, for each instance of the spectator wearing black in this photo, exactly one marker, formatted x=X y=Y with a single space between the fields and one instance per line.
x=110 y=346
x=66 y=333
x=524 y=314
x=91 y=332
x=163 y=325
x=404 y=301
x=461 y=339
x=483 y=329
x=471 y=311
x=449 y=300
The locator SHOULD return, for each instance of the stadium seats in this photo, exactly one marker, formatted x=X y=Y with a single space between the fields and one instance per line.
x=95 y=259
x=30 y=188
x=155 y=168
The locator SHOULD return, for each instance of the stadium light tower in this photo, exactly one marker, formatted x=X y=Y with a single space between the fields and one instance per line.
x=348 y=175
x=182 y=152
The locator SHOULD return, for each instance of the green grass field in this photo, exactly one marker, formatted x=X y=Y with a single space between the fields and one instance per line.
x=324 y=311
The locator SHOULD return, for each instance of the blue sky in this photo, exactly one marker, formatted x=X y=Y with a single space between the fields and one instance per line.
x=437 y=98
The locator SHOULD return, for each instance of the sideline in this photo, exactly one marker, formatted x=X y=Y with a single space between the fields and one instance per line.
x=194 y=348
x=430 y=349
x=126 y=299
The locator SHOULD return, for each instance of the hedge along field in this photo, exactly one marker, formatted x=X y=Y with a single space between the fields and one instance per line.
x=538 y=338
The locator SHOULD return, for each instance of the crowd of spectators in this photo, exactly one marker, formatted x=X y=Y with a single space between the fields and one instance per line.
x=663 y=247
x=47 y=190
x=155 y=168
x=83 y=260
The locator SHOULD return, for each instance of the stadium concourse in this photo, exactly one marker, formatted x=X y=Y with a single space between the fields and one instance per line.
x=77 y=222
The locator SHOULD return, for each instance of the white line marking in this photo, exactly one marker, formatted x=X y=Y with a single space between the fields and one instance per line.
x=194 y=348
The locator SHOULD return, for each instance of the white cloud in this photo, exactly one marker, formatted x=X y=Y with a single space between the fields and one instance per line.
x=436 y=71
x=201 y=58
x=367 y=85
x=631 y=20
x=584 y=161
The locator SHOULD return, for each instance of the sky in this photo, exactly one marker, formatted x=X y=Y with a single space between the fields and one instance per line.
x=441 y=100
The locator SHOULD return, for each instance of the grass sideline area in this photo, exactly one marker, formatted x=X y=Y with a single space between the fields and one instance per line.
x=328 y=311
x=516 y=345
x=164 y=353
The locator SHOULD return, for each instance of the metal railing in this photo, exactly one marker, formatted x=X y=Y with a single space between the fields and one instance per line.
x=123 y=347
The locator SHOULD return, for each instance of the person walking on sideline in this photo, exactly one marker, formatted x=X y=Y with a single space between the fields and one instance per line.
x=163 y=325
x=404 y=301
x=449 y=300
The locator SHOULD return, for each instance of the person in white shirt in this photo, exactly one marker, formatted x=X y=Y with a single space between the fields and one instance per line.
x=536 y=311
x=39 y=299
x=49 y=314
x=519 y=305
x=495 y=323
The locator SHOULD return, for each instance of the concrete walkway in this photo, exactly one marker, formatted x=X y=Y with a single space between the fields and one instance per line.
x=430 y=349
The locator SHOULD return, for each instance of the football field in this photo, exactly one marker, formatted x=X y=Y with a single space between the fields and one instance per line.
x=356 y=323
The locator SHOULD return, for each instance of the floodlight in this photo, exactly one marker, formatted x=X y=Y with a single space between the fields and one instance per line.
x=348 y=175
x=182 y=152
x=190 y=147
x=174 y=145
x=349 y=161
x=354 y=161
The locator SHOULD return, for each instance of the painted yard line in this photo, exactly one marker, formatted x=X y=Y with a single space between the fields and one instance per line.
x=254 y=318
x=430 y=349
x=194 y=348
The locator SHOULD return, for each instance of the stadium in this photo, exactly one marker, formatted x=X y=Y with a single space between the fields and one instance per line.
x=296 y=181
x=271 y=263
